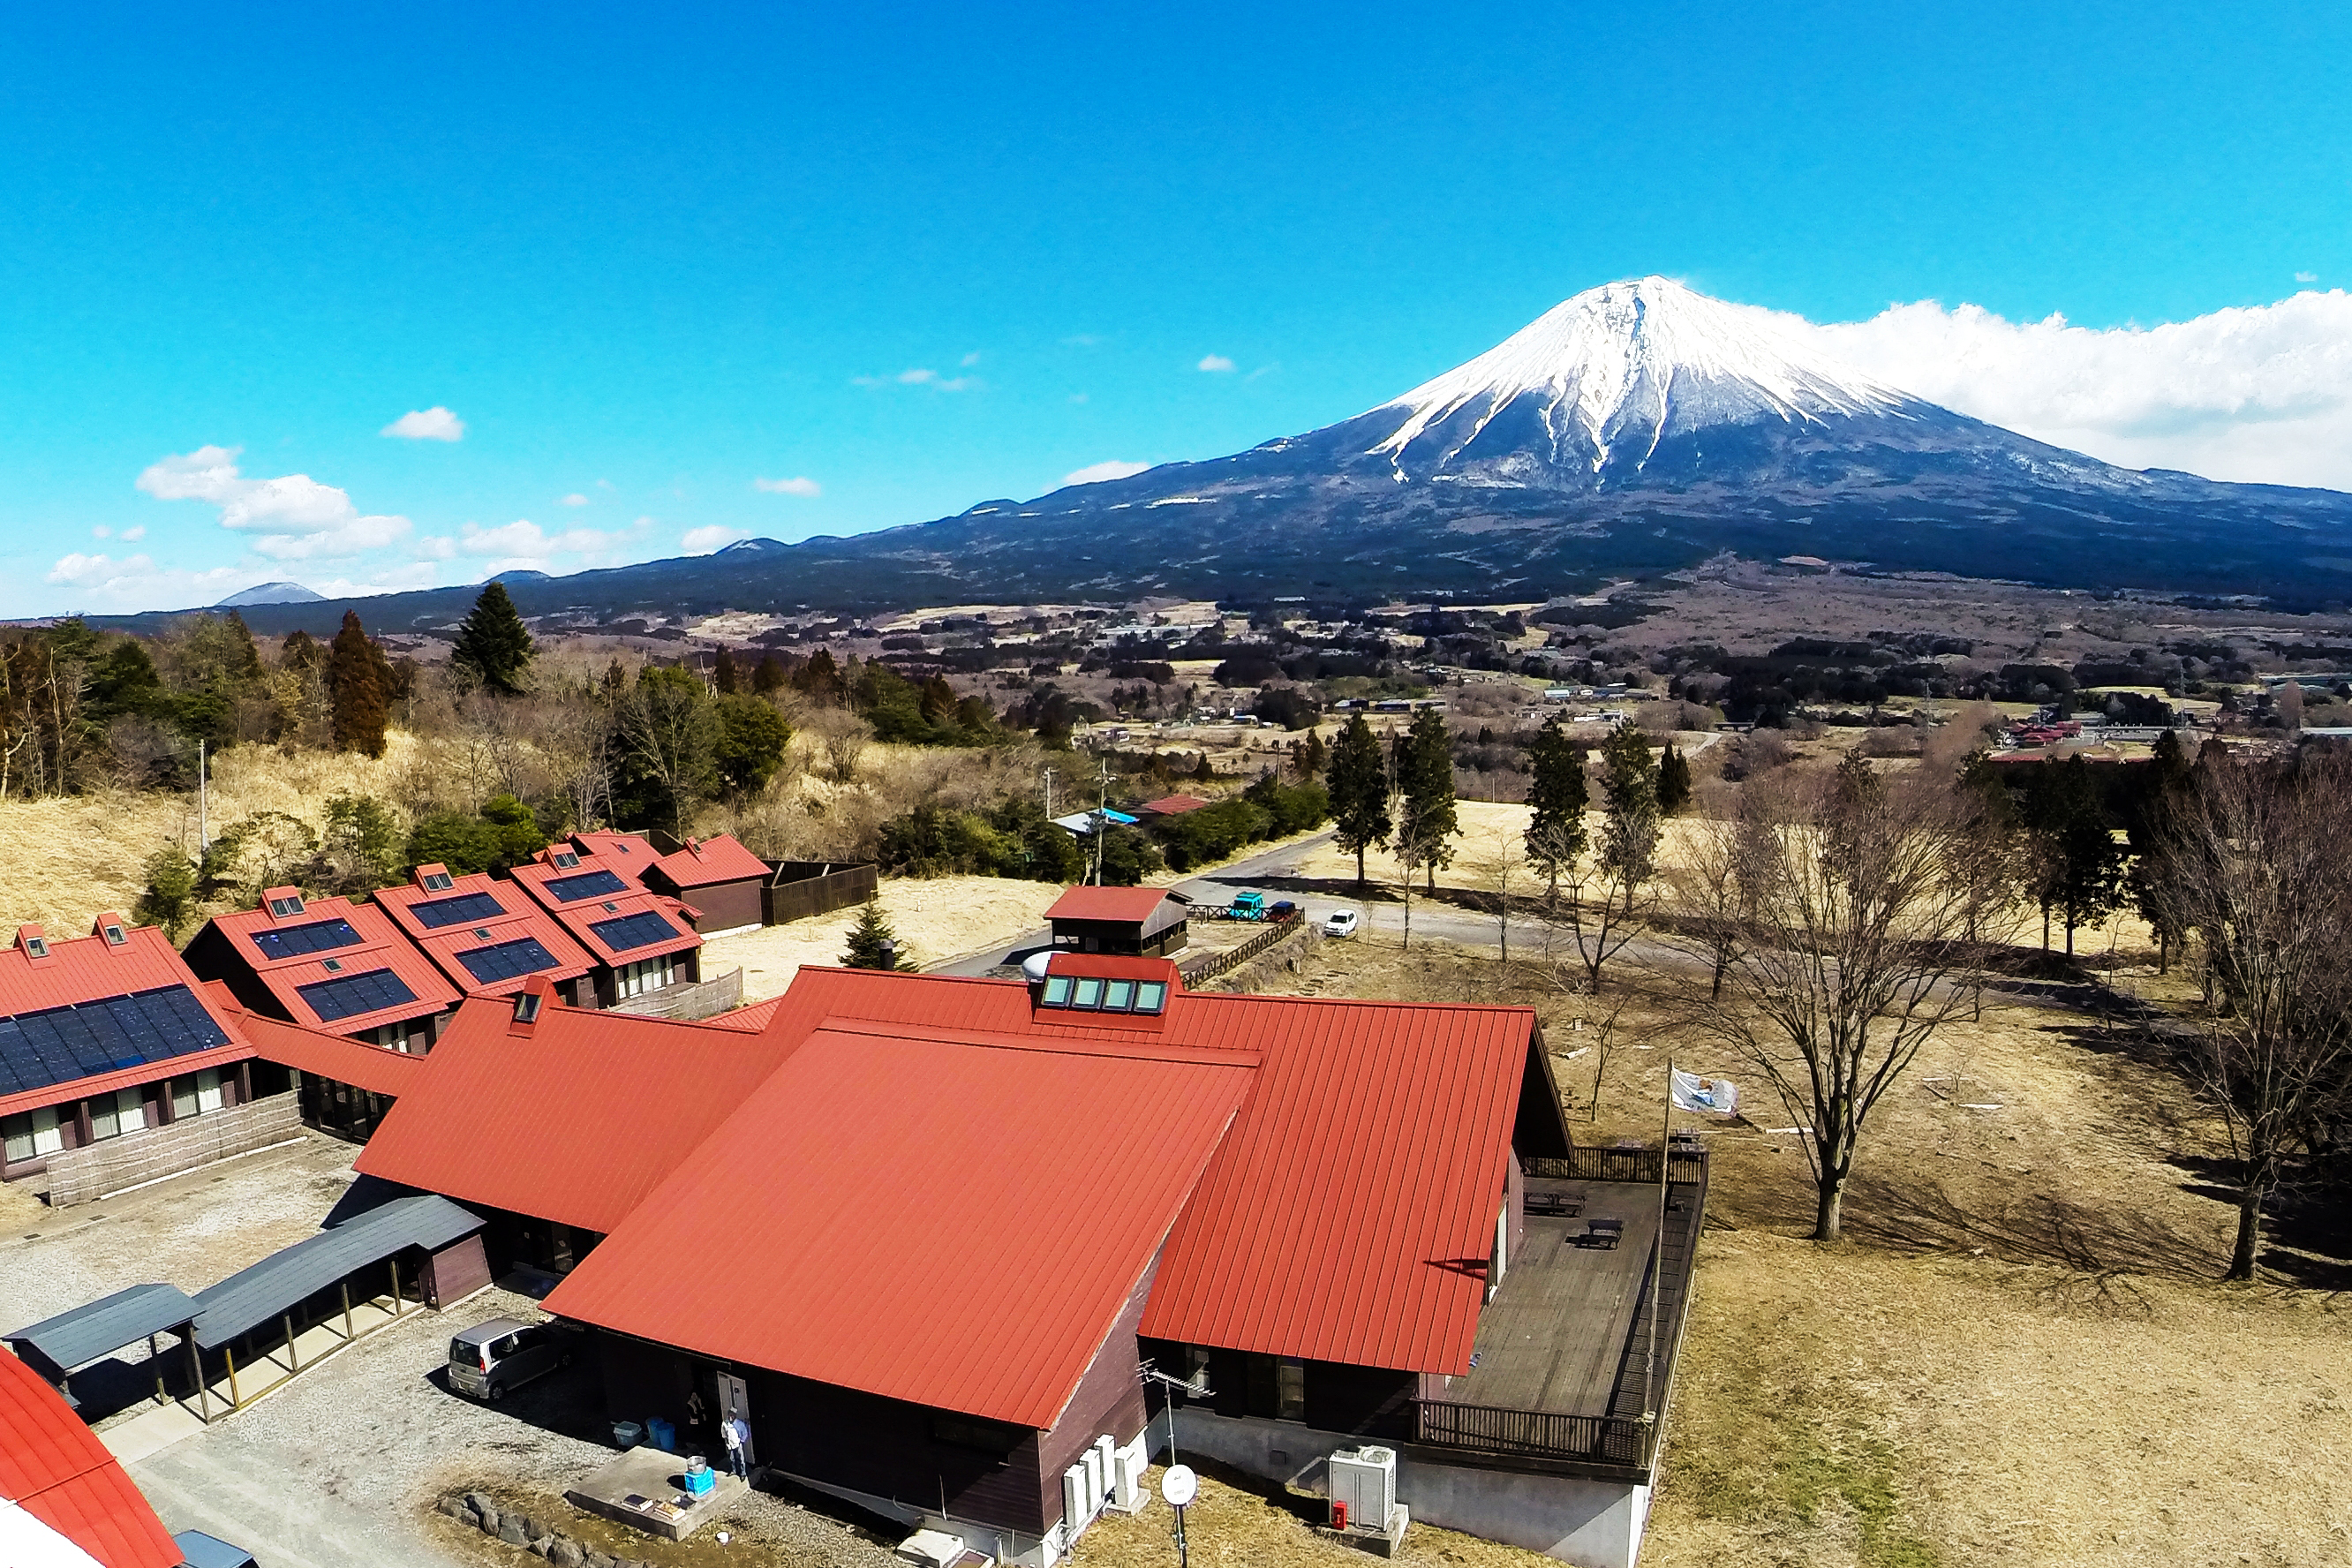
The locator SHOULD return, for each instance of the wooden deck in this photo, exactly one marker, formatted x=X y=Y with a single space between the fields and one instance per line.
x=1557 y=1334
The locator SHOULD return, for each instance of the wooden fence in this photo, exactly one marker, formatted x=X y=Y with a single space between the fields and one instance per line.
x=1595 y=1164
x=797 y=889
x=720 y=994
x=80 y=1176
x=1207 y=966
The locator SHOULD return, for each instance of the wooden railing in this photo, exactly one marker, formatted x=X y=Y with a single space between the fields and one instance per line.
x=1208 y=966
x=1594 y=1163
x=1531 y=1434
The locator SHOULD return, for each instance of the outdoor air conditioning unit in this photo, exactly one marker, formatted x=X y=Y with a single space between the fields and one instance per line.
x=1365 y=1479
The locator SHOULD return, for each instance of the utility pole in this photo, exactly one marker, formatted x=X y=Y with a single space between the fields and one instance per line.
x=204 y=803
x=1049 y=794
x=1102 y=816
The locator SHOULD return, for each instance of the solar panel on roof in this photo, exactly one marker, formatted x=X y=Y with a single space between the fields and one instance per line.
x=508 y=959
x=640 y=930
x=352 y=994
x=295 y=942
x=59 y=1044
x=586 y=885
x=464 y=910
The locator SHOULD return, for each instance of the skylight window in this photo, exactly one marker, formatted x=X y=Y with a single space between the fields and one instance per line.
x=1093 y=993
x=37 y=947
x=566 y=860
x=292 y=904
x=527 y=1006
x=116 y=936
x=438 y=881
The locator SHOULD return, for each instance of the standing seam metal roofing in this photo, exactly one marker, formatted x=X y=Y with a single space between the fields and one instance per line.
x=383 y=946
x=580 y=917
x=701 y=862
x=376 y=1068
x=575 y=1123
x=1055 y=1167
x=98 y=1328
x=1348 y=1214
x=53 y=1467
x=521 y=917
x=80 y=970
x=261 y=1293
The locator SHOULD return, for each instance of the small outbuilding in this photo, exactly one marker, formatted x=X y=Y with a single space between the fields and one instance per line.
x=721 y=880
x=1132 y=923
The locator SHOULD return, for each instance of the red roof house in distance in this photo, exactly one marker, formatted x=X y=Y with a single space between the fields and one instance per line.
x=63 y=1498
x=487 y=937
x=719 y=876
x=1133 y=922
x=638 y=942
x=326 y=964
x=105 y=1035
x=1170 y=806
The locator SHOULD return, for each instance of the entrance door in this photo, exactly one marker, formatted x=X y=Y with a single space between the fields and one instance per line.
x=735 y=1403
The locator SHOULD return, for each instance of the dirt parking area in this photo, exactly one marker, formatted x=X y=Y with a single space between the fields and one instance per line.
x=935 y=918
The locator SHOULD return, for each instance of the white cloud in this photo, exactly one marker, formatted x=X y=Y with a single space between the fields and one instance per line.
x=970 y=360
x=2306 y=277
x=433 y=424
x=2258 y=394
x=1217 y=363
x=703 y=540
x=920 y=376
x=136 y=583
x=1095 y=473
x=437 y=547
x=1077 y=397
x=135 y=534
x=295 y=517
x=101 y=531
x=797 y=486
x=575 y=499
x=391 y=580
x=523 y=544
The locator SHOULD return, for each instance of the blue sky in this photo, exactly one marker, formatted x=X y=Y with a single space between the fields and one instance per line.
x=650 y=257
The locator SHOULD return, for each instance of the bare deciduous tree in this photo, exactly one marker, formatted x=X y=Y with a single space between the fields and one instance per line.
x=2257 y=864
x=1853 y=954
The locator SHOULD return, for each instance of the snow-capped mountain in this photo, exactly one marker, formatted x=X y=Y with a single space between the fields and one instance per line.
x=1599 y=383
x=1632 y=431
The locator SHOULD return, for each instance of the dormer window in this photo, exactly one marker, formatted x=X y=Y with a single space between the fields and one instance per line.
x=285 y=904
x=563 y=859
x=115 y=935
x=37 y=947
x=436 y=881
x=1096 y=993
x=526 y=1006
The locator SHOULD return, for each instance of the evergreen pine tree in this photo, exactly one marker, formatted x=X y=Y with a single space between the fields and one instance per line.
x=1425 y=787
x=1557 y=793
x=872 y=944
x=170 y=898
x=247 y=669
x=1674 y=782
x=770 y=677
x=494 y=648
x=1628 y=801
x=723 y=675
x=1359 y=783
x=360 y=712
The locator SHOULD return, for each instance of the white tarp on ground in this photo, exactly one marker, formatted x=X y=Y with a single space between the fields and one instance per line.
x=1711 y=1096
x=28 y=1542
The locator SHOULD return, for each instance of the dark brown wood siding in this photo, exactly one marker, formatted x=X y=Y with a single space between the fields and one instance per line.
x=1109 y=1399
x=724 y=905
x=800 y=889
x=455 y=1272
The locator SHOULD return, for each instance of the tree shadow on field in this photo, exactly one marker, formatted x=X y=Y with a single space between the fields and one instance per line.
x=2092 y=1240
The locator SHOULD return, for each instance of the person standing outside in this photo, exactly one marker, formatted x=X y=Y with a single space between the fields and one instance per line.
x=737 y=1435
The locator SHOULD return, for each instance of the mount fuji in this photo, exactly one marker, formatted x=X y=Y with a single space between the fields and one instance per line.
x=1634 y=431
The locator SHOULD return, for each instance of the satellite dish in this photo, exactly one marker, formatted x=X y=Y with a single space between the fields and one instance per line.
x=1033 y=966
x=1180 y=1486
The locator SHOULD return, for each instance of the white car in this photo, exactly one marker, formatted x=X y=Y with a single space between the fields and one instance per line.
x=1341 y=922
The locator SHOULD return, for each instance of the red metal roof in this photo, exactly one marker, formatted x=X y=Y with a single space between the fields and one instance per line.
x=521 y=918
x=752 y=1016
x=375 y=1069
x=55 y=1469
x=947 y=1217
x=1349 y=1214
x=382 y=946
x=579 y=916
x=1125 y=905
x=1171 y=805
x=91 y=969
x=704 y=861
x=628 y=853
x=575 y=1122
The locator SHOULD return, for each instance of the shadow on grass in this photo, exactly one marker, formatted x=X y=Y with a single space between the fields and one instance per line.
x=2041 y=1229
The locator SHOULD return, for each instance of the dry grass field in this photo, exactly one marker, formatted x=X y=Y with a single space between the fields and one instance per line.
x=2020 y=1355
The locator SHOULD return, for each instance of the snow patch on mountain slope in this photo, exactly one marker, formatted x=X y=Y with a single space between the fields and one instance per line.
x=1624 y=365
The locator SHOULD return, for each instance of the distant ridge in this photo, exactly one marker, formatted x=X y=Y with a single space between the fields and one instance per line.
x=271 y=593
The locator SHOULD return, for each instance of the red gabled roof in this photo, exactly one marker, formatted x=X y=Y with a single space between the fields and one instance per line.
x=1171 y=805
x=1124 y=905
x=580 y=916
x=575 y=1122
x=703 y=861
x=948 y=1217
x=1348 y=1215
x=628 y=853
x=382 y=946
x=80 y=970
x=521 y=918
x=752 y=1016
x=55 y=1469
x=375 y=1069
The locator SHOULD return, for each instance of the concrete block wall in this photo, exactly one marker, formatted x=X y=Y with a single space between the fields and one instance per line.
x=83 y=1175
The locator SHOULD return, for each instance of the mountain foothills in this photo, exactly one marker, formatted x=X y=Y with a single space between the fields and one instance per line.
x=1632 y=431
